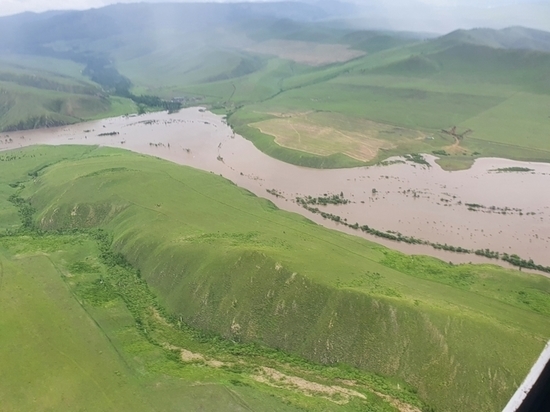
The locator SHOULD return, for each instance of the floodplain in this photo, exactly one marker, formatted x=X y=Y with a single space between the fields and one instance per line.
x=478 y=208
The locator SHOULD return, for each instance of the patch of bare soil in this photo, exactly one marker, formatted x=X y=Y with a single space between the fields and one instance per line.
x=189 y=357
x=401 y=406
x=336 y=394
x=310 y=53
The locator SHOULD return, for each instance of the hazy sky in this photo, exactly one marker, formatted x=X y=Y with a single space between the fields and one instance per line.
x=423 y=15
x=18 y=6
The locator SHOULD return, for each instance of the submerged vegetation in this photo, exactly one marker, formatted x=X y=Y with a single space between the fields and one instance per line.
x=515 y=260
x=324 y=200
x=417 y=158
x=512 y=169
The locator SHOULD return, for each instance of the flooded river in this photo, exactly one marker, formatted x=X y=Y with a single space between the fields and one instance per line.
x=483 y=207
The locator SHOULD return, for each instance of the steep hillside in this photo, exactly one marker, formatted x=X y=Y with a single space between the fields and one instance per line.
x=81 y=330
x=227 y=262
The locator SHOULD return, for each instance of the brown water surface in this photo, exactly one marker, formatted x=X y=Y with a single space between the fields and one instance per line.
x=424 y=202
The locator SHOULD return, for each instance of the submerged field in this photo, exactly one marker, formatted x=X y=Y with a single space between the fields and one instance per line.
x=204 y=255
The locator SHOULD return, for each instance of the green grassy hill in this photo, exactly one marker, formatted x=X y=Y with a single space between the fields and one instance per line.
x=35 y=93
x=226 y=262
x=490 y=95
x=81 y=330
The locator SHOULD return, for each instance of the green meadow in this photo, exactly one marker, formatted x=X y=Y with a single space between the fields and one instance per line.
x=192 y=279
x=495 y=99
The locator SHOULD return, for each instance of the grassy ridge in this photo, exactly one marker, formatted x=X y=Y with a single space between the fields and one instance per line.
x=230 y=263
x=33 y=97
x=76 y=311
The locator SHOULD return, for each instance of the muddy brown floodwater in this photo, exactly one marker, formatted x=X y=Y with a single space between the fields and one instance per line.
x=479 y=208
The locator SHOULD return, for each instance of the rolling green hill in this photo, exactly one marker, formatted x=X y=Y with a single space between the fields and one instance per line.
x=35 y=93
x=493 y=96
x=82 y=331
x=225 y=262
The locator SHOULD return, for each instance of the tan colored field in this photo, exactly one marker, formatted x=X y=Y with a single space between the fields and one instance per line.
x=326 y=133
x=310 y=53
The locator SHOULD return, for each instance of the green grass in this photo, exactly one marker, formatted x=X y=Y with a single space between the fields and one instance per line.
x=455 y=162
x=68 y=70
x=520 y=121
x=52 y=355
x=229 y=263
x=69 y=346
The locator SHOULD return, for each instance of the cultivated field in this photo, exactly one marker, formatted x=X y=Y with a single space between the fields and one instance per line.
x=309 y=53
x=325 y=134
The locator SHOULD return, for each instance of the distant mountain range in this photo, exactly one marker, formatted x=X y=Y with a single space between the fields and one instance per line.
x=30 y=32
x=509 y=38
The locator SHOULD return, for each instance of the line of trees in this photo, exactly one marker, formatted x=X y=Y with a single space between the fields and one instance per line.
x=398 y=237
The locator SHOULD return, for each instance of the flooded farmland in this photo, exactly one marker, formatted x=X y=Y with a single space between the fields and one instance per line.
x=498 y=204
